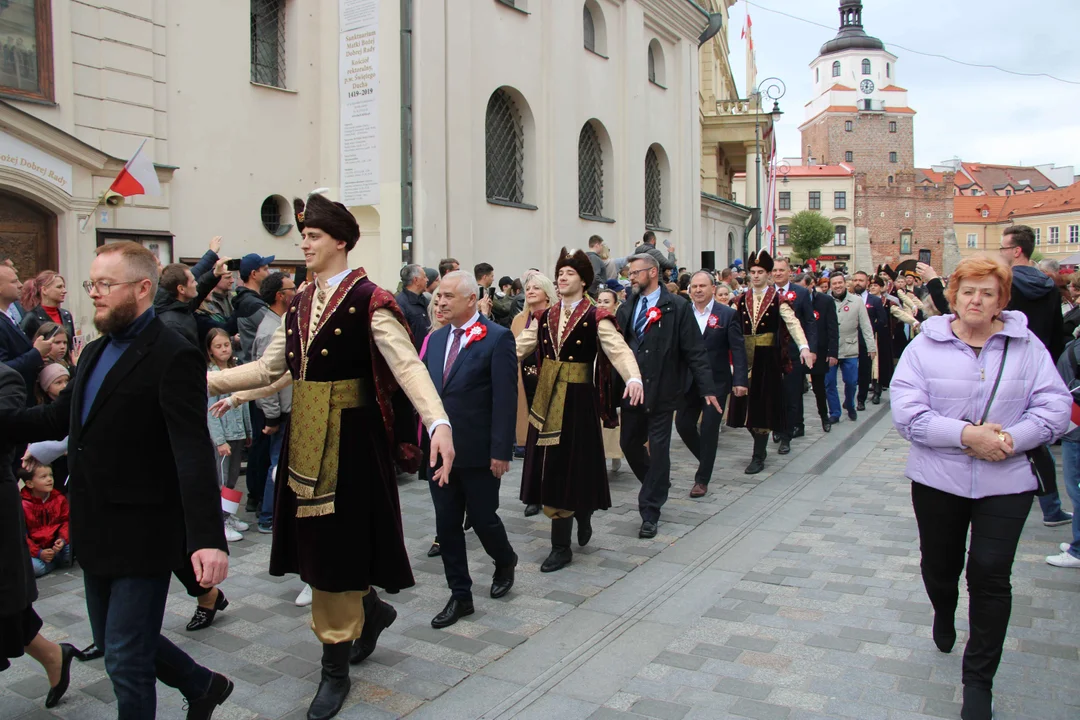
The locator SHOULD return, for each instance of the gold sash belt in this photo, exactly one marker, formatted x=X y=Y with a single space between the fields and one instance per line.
x=753 y=342
x=550 y=399
x=315 y=440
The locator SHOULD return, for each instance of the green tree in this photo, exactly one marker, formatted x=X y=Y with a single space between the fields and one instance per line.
x=807 y=232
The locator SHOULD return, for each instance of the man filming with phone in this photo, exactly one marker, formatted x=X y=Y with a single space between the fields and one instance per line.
x=181 y=295
x=648 y=247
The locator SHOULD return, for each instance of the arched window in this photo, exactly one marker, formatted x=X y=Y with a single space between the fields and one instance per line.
x=653 y=190
x=590 y=172
x=590 y=29
x=656 y=63
x=505 y=149
x=865 y=66
x=836 y=68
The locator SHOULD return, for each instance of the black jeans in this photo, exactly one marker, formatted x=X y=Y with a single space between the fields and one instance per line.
x=125 y=619
x=996 y=523
x=653 y=466
x=866 y=371
x=817 y=382
x=258 y=455
x=792 y=385
x=701 y=444
x=475 y=490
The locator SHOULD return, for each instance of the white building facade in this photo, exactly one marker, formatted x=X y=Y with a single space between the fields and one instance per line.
x=489 y=131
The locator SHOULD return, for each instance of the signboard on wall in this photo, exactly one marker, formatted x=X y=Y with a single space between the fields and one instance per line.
x=359 y=101
x=24 y=157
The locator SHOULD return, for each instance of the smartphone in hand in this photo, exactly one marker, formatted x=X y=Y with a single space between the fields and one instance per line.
x=232 y=265
x=924 y=255
x=667 y=243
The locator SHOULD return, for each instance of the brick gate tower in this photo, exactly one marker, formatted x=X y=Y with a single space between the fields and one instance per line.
x=860 y=116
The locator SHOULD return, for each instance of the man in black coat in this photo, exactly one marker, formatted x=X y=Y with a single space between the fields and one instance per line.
x=183 y=295
x=413 y=304
x=860 y=282
x=473 y=365
x=721 y=333
x=793 y=379
x=142 y=485
x=660 y=328
x=828 y=345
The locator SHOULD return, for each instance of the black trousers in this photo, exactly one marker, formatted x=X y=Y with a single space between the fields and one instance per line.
x=866 y=370
x=701 y=443
x=258 y=459
x=474 y=490
x=996 y=523
x=653 y=466
x=792 y=385
x=817 y=382
x=186 y=574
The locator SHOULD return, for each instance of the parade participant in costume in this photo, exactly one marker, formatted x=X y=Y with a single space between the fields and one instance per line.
x=767 y=323
x=890 y=324
x=347 y=346
x=575 y=344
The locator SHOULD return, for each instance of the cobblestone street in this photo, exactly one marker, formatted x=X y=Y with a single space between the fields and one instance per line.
x=794 y=594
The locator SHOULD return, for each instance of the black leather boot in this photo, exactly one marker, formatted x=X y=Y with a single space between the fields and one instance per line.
x=761 y=445
x=378 y=615
x=561 y=554
x=584 y=527
x=334 y=685
x=876 y=390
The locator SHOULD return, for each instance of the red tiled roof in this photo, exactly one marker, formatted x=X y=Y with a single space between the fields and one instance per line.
x=838 y=86
x=853 y=109
x=893 y=88
x=969 y=209
x=933 y=176
x=989 y=176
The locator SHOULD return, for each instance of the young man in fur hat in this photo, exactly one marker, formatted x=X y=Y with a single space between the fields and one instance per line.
x=338 y=520
x=767 y=322
x=576 y=345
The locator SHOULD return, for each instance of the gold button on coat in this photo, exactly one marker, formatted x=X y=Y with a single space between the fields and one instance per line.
x=291 y=355
x=337 y=331
x=324 y=352
x=352 y=310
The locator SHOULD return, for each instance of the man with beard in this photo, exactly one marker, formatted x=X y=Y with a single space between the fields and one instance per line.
x=141 y=459
x=660 y=328
x=767 y=323
x=855 y=330
x=565 y=470
x=860 y=283
x=347 y=346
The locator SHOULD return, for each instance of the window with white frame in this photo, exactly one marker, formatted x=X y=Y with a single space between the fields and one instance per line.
x=1038 y=236
x=836 y=69
x=785 y=200
x=782 y=236
x=1074 y=234
x=840 y=235
x=1055 y=235
x=972 y=240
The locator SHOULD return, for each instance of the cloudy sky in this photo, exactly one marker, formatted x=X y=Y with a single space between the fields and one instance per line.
x=978 y=114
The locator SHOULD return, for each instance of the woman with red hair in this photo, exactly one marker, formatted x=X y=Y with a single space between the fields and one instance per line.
x=41 y=299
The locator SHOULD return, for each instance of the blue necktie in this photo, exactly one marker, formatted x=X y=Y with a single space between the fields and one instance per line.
x=639 y=324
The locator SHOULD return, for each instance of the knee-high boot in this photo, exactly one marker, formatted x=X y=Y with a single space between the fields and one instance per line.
x=378 y=615
x=334 y=685
x=875 y=398
x=584 y=527
x=561 y=554
x=761 y=446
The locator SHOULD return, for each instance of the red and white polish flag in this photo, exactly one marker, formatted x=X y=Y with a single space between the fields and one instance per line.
x=230 y=500
x=138 y=176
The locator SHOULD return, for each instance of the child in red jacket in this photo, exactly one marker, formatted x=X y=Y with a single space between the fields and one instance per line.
x=46 y=513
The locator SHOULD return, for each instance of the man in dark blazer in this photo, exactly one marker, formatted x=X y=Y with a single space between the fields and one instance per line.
x=660 y=328
x=793 y=379
x=828 y=344
x=16 y=350
x=874 y=308
x=721 y=332
x=473 y=364
x=142 y=485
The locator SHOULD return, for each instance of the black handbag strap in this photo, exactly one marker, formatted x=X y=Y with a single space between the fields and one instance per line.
x=993 y=392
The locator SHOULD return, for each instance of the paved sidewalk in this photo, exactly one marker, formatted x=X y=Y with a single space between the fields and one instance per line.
x=791 y=594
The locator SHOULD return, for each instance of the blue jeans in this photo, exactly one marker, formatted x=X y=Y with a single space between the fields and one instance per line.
x=849 y=369
x=266 y=514
x=1070 y=460
x=62 y=558
x=125 y=619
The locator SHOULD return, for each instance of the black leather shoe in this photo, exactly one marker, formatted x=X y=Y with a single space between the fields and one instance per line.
x=531 y=510
x=502 y=580
x=756 y=465
x=435 y=550
x=852 y=415
x=648 y=530
x=67 y=654
x=454 y=611
x=785 y=447
x=825 y=424
x=860 y=406
x=800 y=431
x=978 y=704
x=584 y=528
x=204 y=617
x=221 y=688
x=557 y=559
x=88 y=653
x=334 y=684
x=378 y=615
x=253 y=504
x=944 y=632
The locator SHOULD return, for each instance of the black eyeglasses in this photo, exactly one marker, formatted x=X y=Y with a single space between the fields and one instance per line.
x=104 y=287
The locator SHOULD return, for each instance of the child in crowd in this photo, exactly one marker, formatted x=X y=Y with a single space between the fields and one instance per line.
x=231 y=432
x=51 y=381
x=46 y=512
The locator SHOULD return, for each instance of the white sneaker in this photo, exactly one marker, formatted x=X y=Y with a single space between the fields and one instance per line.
x=1064 y=547
x=304 y=598
x=236 y=524
x=231 y=535
x=1064 y=560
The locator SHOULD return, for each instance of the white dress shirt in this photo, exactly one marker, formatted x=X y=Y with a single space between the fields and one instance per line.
x=451 y=341
x=703 y=317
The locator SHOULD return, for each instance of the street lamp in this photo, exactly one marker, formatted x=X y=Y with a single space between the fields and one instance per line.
x=774 y=89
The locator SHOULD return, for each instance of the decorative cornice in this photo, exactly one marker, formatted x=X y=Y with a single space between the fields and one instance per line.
x=674 y=20
x=51 y=139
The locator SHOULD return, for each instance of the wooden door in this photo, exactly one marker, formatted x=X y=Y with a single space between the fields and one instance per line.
x=27 y=235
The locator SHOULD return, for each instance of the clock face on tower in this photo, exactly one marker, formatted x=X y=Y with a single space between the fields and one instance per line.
x=867 y=86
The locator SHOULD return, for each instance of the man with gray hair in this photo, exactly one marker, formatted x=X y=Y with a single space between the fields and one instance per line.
x=413 y=303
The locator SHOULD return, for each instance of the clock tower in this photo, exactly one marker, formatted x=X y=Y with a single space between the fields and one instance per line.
x=859 y=116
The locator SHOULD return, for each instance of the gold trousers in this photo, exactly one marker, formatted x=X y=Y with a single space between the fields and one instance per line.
x=337 y=617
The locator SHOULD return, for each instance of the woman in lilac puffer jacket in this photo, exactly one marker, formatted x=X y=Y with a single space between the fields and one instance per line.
x=966 y=474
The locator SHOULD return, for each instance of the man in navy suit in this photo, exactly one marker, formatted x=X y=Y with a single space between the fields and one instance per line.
x=16 y=350
x=473 y=363
x=722 y=334
x=876 y=311
x=828 y=335
x=793 y=380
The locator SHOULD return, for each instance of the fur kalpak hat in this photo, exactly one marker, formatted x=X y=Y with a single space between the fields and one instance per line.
x=332 y=218
x=886 y=270
x=578 y=261
x=760 y=259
